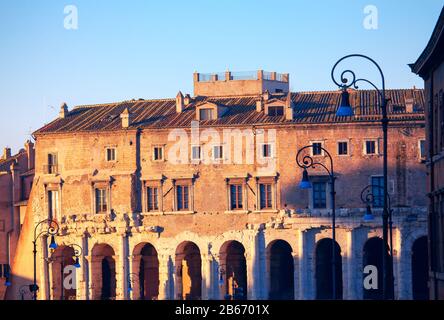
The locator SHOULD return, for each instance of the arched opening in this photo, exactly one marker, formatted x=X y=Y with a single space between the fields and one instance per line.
x=189 y=271
x=324 y=270
x=373 y=256
x=233 y=271
x=104 y=272
x=61 y=258
x=420 y=269
x=281 y=271
x=148 y=272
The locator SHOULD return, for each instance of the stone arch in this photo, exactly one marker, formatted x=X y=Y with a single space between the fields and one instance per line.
x=62 y=257
x=323 y=269
x=420 y=269
x=373 y=255
x=188 y=271
x=233 y=271
x=145 y=278
x=103 y=266
x=280 y=267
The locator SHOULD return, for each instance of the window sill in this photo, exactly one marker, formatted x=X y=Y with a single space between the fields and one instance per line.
x=179 y=212
x=237 y=211
x=266 y=211
x=153 y=213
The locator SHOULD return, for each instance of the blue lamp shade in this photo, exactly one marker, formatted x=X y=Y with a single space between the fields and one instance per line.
x=130 y=288
x=7 y=282
x=77 y=263
x=305 y=182
x=345 y=109
x=53 y=244
x=369 y=215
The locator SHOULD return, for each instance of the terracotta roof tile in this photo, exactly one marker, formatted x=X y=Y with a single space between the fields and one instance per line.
x=309 y=107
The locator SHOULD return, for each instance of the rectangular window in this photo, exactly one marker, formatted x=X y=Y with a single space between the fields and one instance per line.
x=158 y=153
x=101 y=200
x=53 y=205
x=342 y=148
x=370 y=147
x=218 y=152
x=153 y=198
x=319 y=195
x=182 y=197
x=110 y=154
x=276 y=111
x=266 y=201
x=422 y=149
x=206 y=114
x=236 y=197
x=378 y=191
x=52 y=163
x=317 y=148
x=266 y=150
x=196 y=153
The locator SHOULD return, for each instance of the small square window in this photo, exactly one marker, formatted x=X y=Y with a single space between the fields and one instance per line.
x=343 y=148
x=266 y=150
x=206 y=114
x=317 y=148
x=110 y=154
x=218 y=152
x=370 y=147
x=196 y=153
x=158 y=153
x=276 y=111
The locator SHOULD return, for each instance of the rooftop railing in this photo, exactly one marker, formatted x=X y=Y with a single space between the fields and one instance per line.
x=242 y=75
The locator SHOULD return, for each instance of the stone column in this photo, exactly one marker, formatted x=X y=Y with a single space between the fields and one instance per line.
x=307 y=275
x=166 y=277
x=122 y=271
x=89 y=287
x=207 y=261
x=402 y=266
x=355 y=240
x=252 y=259
x=296 y=273
x=133 y=267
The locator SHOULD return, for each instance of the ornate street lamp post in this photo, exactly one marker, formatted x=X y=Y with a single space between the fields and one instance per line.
x=50 y=230
x=307 y=161
x=345 y=110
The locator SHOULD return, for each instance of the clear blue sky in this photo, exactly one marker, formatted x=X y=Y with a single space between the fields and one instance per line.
x=149 y=49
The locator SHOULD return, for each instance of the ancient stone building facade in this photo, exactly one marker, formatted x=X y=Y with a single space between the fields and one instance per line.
x=197 y=197
x=430 y=66
x=16 y=176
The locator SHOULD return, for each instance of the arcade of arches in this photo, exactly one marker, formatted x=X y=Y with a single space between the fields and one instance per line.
x=237 y=272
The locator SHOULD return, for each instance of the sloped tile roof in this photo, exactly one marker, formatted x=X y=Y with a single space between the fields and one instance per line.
x=309 y=108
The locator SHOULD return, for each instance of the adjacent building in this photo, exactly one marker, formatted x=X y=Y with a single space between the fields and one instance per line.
x=430 y=66
x=16 y=178
x=197 y=197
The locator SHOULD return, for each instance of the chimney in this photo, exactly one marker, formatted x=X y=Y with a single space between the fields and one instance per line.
x=266 y=95
x=6 y=153
x=179 y=102
x=259 y=105
x=409 y=105
x=63 y=111
x=187 y=99
x=126 y=118
x=29 y=147
x=288 y=107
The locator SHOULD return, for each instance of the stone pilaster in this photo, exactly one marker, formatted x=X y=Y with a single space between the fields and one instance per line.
x=166 y=278
x=307 y=275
